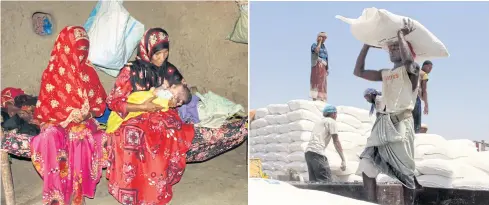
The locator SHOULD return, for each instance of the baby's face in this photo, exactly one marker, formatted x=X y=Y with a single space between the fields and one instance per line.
x=179 y=94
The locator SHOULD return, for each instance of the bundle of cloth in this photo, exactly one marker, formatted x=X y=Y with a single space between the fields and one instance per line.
x=17 y=109
x=207 y=109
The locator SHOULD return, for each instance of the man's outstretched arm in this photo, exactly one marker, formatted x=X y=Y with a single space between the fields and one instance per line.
x=372 y=75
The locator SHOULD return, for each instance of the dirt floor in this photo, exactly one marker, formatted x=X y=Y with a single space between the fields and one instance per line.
x=199 y=48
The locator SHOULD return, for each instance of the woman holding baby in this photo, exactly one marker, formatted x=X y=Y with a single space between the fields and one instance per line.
x=147 y=153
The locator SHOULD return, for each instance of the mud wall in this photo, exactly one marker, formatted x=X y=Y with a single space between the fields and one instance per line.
x=198 y=32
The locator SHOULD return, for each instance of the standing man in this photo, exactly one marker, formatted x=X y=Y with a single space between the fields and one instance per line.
x=390 y=147
x=319 y=68
x=323 y=131
x=422 y=95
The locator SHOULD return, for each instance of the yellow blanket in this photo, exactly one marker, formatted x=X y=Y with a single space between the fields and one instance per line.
x=139 y=97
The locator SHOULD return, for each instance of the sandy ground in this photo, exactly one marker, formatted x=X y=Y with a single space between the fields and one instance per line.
x=199 y=48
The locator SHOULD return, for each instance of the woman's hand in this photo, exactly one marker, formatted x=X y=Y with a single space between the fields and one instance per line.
x=83 y=117
x=149 y=106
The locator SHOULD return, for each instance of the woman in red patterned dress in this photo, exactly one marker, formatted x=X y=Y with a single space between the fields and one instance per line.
x=147 y=153
x=68 y=152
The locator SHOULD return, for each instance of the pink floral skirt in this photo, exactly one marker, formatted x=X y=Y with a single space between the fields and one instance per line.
x=69 y=160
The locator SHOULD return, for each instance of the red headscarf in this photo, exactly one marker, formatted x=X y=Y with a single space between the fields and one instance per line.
x=9 y=94
x=69 y=84
x=144 y=74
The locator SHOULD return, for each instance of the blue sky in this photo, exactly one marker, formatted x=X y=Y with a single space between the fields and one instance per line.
x=281 y=34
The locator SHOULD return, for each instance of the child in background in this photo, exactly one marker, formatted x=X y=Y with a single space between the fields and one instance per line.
x=171 y=94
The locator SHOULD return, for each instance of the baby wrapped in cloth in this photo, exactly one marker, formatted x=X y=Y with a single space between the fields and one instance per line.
x=172 y=93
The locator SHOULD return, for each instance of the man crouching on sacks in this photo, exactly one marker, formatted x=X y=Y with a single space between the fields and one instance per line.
x=323 y=131
x=390 y=147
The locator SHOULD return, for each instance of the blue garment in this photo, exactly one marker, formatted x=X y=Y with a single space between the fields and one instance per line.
x=323 y=53
x=189 y=113
x=103 y=119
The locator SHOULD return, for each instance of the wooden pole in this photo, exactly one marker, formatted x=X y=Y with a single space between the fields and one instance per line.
x=8 y=185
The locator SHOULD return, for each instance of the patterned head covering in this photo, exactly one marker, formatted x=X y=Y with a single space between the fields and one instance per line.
x=9 y=94
x=154 y=40
x=329 y=109
x=69 y=84
x=144 y=74
x=374 y=93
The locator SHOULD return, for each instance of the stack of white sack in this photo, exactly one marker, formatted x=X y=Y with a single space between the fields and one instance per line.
x=449 y=163
x=280 y=133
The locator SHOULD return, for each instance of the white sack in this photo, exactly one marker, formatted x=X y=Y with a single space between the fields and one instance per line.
x=429 y=139
x=297 y=166
x=351 y=168
x=282 y=157
x=436 y=167
x=342 y=127
x=300 y=136
x=349 y=178
x=349 y=120
x=382 y=178
x=262 y=131
x=474 y=183
x=267 y=165
x=478 y=160
x=278 y=109
x=298 y=156
x=259 y=139
x=464 y=143
x=282 y=119
x=252 y=133
x=283 y=128
x=377 y=27
x=298 y=146
x=302 y=125
x=271 y=156
x=271 y=129
x=258 y=148
x=421 y=150
x=366 y=126
x=358 y=113
x=303 y=114
x=284 y=138
x=259 y=123
x=260 y=113
x=271 y=119
x=435 y=181
x=271 y=147
x=259 y=155
x=306 y=105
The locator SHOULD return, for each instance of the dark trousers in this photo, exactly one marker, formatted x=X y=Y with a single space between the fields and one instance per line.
x=417 y=115
x=318 y=167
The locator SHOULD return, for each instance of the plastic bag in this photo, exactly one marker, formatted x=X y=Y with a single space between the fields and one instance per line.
x=240 y=31
x=113 y=34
